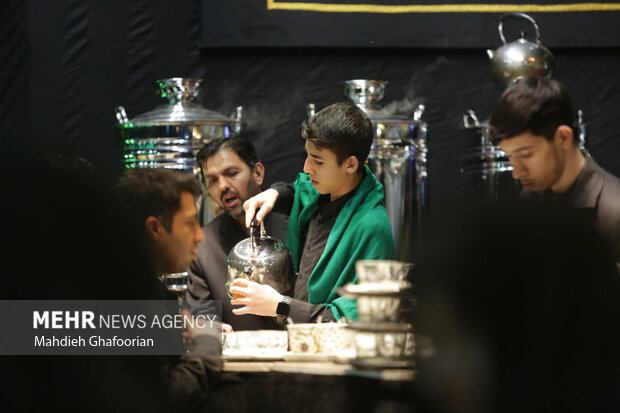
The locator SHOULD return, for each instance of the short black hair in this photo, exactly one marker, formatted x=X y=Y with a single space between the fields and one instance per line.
x=343 y=128
x=238 y=143
x=153 y=192
x=531 y=104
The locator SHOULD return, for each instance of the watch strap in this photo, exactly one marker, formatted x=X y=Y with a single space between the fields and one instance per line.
x=283 y=309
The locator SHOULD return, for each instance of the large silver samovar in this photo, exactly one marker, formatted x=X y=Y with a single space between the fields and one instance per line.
x=398 y=160
x=171 y=135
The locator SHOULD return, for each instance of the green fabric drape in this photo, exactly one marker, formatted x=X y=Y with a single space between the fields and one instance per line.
x=361 y=231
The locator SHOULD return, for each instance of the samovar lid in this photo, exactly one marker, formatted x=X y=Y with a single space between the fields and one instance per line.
x=366 y=94
x=180 y=109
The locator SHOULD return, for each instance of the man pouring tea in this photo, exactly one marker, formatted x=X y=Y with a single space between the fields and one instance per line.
x=336 y=217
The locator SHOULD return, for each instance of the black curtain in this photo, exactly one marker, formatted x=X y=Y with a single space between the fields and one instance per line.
x=67 y=64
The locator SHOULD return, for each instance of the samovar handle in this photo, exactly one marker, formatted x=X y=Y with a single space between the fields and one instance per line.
x=417 y=115
x=238 y=113
x=468 y=116
x=121 y=115
x=238 y=117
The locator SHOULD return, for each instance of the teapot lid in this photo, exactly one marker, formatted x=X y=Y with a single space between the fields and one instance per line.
x=265 y=247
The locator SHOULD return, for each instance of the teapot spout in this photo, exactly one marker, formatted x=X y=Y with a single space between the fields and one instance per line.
x=490 y=53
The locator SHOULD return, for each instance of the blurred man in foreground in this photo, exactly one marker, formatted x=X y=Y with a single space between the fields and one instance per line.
x=160 y=205
x=518 y=311
x=70 y=242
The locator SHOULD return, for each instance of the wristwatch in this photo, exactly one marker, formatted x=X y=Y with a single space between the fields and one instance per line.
x=283 y=309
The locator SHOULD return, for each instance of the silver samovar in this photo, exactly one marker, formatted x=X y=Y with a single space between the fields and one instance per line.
x=398 y=160
x=171 y=135
x=486 y=169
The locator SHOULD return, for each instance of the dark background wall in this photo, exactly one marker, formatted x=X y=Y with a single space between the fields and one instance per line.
x=67 y=64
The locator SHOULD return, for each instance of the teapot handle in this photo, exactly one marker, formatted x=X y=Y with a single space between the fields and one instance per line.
x=254 y=235
x=500 y=27
x=257 y=233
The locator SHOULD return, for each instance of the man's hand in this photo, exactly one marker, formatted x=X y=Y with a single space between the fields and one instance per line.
x=259 y=299
x=259 y=205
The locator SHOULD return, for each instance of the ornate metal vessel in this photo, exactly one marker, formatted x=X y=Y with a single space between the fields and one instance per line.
x=398 y=158
x=171 y=135
x=486 y=169
x=262 y=259
x=520 y=57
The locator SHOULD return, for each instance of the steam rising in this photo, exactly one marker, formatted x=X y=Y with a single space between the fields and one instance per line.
x=409 y=103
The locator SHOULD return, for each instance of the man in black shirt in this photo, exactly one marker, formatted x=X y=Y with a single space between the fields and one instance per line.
x=232 y=174
x=532 y=124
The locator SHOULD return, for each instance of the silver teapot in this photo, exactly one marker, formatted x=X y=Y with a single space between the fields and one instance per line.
x=262 y=259
x=520 y=57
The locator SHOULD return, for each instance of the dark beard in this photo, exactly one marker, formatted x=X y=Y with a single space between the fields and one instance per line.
x=252 y=189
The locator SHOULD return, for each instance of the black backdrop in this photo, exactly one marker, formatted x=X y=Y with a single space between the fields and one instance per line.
x=404 y=23
x=67 y=64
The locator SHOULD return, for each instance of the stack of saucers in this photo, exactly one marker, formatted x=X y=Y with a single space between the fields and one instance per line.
x=383 y=338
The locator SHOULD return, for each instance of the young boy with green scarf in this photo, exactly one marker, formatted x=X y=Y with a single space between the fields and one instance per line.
x=336 y=217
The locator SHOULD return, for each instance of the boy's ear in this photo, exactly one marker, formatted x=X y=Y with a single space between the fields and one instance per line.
x=154 y=229
x=352 y=164
x=564 y=135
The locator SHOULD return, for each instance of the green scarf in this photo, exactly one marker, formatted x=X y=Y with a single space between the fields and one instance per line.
x=362 y=231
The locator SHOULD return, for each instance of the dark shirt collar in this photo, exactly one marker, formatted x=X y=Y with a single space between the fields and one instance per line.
x=583 y=193
x=329 y=209
x=242 y=229
x=587 y=187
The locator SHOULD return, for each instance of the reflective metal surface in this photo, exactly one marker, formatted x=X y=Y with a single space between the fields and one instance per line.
x=486 y=169
x=176 y=283
x=262 y=259
x=171 y=135
x=520 y=57
x=390 y=128
x=398 y=160
x=581 y=132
